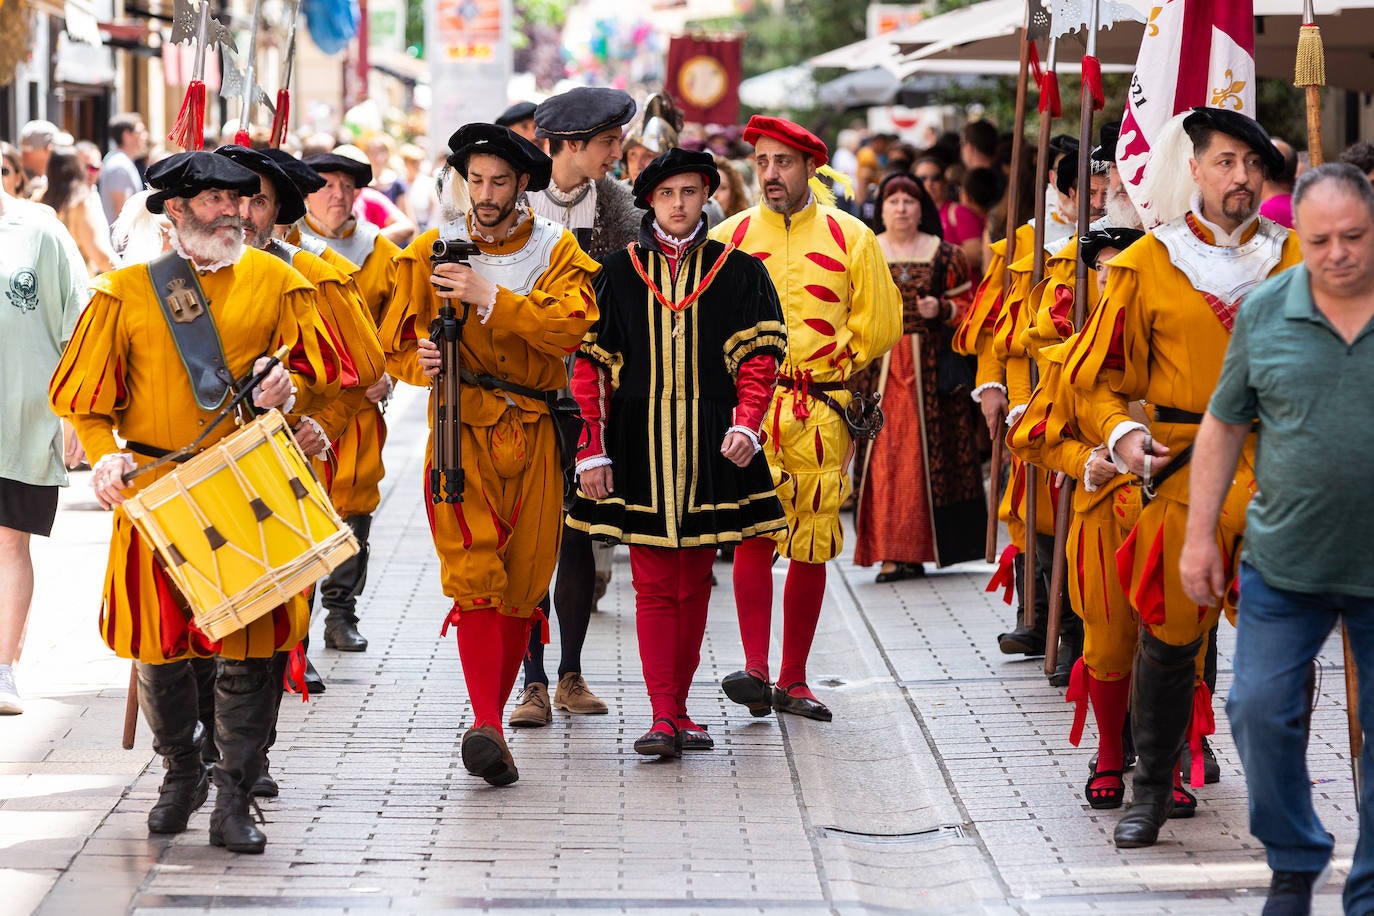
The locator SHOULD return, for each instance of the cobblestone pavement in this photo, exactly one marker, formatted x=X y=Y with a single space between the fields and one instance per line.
x=945 y=784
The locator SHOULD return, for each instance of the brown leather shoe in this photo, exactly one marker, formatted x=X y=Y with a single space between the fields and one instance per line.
x=574 y=697
x=533 y=710
x=485 y=754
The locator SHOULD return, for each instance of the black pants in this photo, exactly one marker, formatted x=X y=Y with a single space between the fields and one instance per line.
x=573 y=598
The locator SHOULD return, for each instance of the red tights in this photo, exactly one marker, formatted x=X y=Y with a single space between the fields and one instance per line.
x=801 y=610
x=672 y=591
x=491 y=646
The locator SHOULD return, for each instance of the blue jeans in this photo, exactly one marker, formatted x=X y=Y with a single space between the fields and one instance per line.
x=1278 y=635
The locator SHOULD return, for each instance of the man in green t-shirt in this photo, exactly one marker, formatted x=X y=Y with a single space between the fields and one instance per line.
x=1300 y=362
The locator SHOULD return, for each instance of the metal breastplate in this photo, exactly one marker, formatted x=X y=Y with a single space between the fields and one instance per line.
x=1226 y=273
x=284 y=250
x=356 y=247
x=518 y=270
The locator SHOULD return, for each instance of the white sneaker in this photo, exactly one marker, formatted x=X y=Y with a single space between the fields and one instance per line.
x=9 y=694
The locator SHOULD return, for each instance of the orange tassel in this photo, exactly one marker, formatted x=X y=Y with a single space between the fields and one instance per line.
x=188 y=131
x=282 y=119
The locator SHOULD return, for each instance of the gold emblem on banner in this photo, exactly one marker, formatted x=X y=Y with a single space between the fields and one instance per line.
x=1229 y=97
x=185 y=304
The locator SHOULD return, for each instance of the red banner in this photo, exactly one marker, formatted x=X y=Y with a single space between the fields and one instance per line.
x=703 y=78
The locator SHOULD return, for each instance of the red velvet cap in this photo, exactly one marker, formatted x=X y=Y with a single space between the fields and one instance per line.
x=784 y=131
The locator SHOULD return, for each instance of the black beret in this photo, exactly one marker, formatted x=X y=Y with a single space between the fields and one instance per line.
x=520 y=111
x=1242 y=127
x=306 y=178
x=1063 y=143
x=1094 y=243
x=187 y=174
x=291 y=205
x=675 y=162
x=1105 y=151
x=333 y=162
x=493 y=140
x=1066 y=172
x=584 y=112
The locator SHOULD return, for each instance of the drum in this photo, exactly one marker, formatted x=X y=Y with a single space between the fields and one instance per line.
x=243 y=526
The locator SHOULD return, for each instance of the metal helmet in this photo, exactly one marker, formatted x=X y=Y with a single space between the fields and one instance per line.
x=656 y=129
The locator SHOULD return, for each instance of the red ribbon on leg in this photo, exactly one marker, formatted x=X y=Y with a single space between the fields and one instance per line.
x=294 y=680
x=1005 y=577
x=1202 y=724
x=1078 y=695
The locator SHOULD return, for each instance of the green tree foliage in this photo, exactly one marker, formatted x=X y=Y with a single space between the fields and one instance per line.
x=783 y=33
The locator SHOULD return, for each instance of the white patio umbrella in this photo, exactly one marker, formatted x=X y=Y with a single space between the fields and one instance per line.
x=786 y=87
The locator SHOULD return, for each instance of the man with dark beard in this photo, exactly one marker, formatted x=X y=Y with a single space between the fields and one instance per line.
x=126 y=372
x=1159 y=334
x=527 y=300
x=278 y=201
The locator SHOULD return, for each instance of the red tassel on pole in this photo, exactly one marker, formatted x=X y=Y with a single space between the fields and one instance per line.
x=1092 y=78
x=282 y=119
x=241 y=138
x=188 y=131
x=1049 y=96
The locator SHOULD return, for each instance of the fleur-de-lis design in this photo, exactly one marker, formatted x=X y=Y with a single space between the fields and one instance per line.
x=1152 y=27
x=1230 y=95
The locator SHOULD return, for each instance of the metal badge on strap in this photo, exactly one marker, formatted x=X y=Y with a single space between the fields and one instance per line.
x=518 y=270
x=193 y=328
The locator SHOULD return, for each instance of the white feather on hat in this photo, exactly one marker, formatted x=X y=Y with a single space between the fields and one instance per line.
x=1166 y=190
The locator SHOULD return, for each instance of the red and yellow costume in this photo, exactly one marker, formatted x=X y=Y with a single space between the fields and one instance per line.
x=842 y=311
x=122 y=372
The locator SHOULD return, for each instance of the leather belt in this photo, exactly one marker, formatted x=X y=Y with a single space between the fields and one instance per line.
x=1174 y=415
x=786 y=381
x=491 y=382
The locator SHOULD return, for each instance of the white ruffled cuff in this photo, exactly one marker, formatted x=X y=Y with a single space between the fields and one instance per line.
x=1121 y=430
x=596 y=461
x=484 y=311
x=753 y=436
x=1015 y=414
x=977 y=393
x=319 y=431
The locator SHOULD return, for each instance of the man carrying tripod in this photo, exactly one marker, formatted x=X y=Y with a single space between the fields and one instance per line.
x=523 y=302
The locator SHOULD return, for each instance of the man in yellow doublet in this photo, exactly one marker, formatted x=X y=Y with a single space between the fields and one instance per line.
x=528 y=299
x=123 y=372
x=353 y=468
x=1159 y=334
x=842 y=311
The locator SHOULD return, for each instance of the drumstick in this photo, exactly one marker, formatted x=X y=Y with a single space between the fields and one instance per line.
x=131 y=708
x=229 y=408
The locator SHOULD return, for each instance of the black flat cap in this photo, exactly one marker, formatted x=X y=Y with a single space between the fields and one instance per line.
x=291 y=205
x=584 y=112
x=333 y=162
x=1063 y=143
x=675 y=162
x=1097 y=241
x=1242 y=127
x=1066 y=172
x=306 y=178
x=493 y=140
x=187 y=174
x=520 y=111
x=1105 y=151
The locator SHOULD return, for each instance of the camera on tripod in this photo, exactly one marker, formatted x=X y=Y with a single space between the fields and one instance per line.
x=452 y=251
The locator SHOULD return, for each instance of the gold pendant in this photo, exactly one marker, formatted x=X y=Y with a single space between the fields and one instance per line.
x=677 y=325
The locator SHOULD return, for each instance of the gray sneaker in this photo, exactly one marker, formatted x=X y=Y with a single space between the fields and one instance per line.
x=10 y=704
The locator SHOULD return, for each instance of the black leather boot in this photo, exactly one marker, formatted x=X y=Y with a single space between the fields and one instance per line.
x=1024 y=640
x=204 y=670
x=167 y=697
x=1070 y=647
x=1162 y=707
x=243 y=717
x=340 y=590
x=265 y=786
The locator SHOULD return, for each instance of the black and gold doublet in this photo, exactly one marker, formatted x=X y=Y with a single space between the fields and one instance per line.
x=672 y=351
